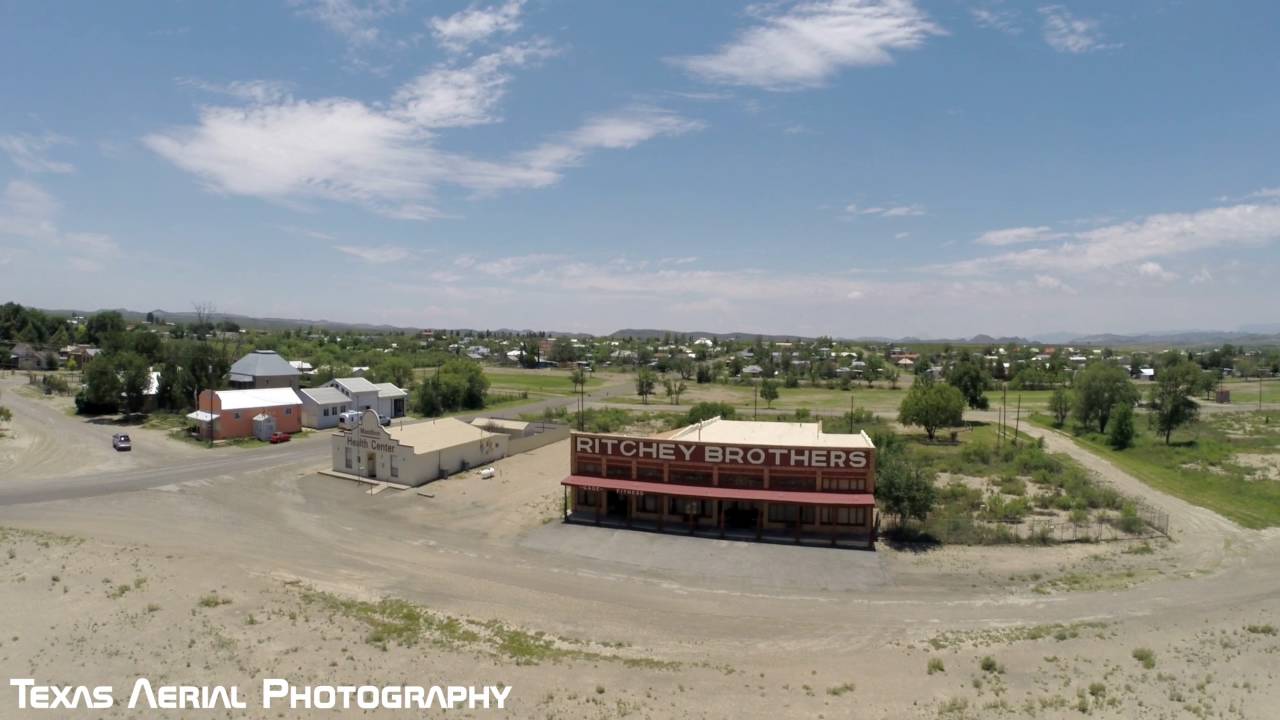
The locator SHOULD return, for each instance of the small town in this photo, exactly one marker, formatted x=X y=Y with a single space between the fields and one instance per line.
x=870 y=359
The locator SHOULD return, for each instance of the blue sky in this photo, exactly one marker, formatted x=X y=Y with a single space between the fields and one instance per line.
x=848 y=167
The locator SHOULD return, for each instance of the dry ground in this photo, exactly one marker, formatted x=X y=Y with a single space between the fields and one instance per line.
x=119 y=587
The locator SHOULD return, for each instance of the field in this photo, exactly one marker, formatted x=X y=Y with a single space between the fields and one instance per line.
x=818 y=399
x=1245 y=392
x=535 y=382
x=1227 y=462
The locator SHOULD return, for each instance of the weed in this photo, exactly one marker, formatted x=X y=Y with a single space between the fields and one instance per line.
x=1145 y=656
x=839 y=690
x=989 y=664
x=936 y=666
x=213 y=600
x=1261 y=629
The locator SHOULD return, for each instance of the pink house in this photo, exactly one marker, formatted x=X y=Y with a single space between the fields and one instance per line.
x=225 y=414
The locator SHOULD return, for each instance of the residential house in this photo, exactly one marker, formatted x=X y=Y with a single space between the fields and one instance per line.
x=25 y=357
x=222 y=414
x=262 y=369
x=321 y=406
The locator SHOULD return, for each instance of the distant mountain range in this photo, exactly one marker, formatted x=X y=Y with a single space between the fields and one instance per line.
x=1255 y=334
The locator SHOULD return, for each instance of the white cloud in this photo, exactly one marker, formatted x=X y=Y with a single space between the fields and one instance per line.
x=28 y=152
x=387 y=157
x=377 y=255
x=354 y=20
x=1203 y=275
x=1068 y=34
x=809 y=42
x=1155 y=271
x=1049 y=282
x=994 y=16
x=461 y=29
x=256 y=91
x=1156 y=236
x=886 y=211
x=1014 y=236
x=28 y=214
x=1265 y=194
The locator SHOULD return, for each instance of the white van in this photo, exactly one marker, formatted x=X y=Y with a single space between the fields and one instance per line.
x=349 y=420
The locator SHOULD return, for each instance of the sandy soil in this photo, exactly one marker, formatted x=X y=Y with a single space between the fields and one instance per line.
x=629 y=632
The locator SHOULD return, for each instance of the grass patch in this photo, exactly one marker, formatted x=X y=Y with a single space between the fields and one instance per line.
x=839 y=690
x=936 y=666
x=1198 y=466
x=1145 y=656
x=1261 y=629
x=213 y=600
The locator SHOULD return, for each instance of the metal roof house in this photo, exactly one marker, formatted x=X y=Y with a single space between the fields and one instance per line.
x=263 y=369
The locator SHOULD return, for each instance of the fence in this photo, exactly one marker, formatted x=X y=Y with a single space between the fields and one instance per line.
x=543 y=433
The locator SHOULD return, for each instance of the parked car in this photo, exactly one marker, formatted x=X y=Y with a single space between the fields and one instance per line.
x=279 y=437
x=121 y=442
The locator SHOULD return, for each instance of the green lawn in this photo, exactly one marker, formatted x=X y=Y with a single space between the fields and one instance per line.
x=1244 y=392
x=878 y=399
x=546 y=382
x=1201 y=466
x=1033 y=399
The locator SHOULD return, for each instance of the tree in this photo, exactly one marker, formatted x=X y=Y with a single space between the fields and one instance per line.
x=971 y=379
x=703 y=375
x=932 y=407
x=644 y=384
x=707 y=410
x=1060 y=406
x=563 y=351
x=1120 y=435
x=459 y=384
x=101 y=393
x=396 y=370
x=104 y=324
x=135 y=378
x=905 y=488
x=1098 y=389
x=1170 y=405
x=769 y=391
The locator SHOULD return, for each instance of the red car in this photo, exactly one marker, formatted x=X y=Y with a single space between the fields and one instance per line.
x=279 y=437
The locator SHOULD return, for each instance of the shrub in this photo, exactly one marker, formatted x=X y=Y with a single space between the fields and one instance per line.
x=936 y=666
x=989 y=664
x=1145 y=656
x=1129 y=520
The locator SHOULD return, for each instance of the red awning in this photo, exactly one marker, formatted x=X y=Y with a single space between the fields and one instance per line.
x=721 y=493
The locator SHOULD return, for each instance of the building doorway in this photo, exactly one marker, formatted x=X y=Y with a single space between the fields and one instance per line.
x=615 y=504
x=740 y=515
x=371 y=465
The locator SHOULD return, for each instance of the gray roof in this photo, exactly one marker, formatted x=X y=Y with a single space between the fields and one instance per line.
x=263 y=363
x=389 y=390
x=325 y=395
x=356 y=384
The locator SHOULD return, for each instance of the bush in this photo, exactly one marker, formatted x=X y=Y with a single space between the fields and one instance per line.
x=1145 y=656
x=989 y=664
x=936 y=666
x=707 y=410
x=978 y=453
x=1120 y=430
x=1129 y=520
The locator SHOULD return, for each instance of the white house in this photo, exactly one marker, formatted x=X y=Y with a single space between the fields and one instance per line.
x=391 y=399
x=321 y=406
x=417 y=453
x=385 y=398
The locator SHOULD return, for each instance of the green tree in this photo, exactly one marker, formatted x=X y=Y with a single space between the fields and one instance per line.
x=101 y=393
x=769 y=391
x=932 y=407
x=1121 y=432
x=396 y=370
x=972 y=380
x=904 y=487
x=1060 y=406
x=563 y=351
x=104 y=324
x=135 y=377
x=707 y=410
x=645 y=382
x=1099 y=388
x=1170 y=405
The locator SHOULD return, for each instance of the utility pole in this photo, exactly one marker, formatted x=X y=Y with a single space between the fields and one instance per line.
x=850 y=412
x=755 y=400
x=1017 y=419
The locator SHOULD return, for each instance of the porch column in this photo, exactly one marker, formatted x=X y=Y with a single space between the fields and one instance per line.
x=599 y=505
x=564 y=512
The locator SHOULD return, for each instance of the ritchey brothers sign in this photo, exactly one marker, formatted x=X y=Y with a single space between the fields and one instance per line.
x=717 y=454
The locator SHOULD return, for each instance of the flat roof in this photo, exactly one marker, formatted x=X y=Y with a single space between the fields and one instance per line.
x=763 y=432
x=722 y=493
x=257 y=398
x=437 y=434
x=356 y=384
x=389 y=390
x=484 y=422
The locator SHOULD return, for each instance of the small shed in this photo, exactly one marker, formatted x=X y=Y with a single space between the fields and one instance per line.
x=1224 y=395
x=264 y=426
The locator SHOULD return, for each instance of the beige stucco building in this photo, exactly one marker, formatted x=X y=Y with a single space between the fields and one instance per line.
x=416 y=453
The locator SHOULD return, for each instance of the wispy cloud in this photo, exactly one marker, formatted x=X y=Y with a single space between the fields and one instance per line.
x=1133 y=244
x=28 y=215
x=886 y=211
x=995 y=16
x=377 y=255
x=1155 y=271
x=460 y=30
x=28 y=152
x=354 y=20
x=1069 y=34
x=257 y=91
x=806 y=44
x=1015 y=236
x=387 y=156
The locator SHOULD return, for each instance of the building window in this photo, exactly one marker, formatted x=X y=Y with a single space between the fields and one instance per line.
x=589 y=467
x=844 y=516
x=237 y=416
x=288 y=411
x=326 y=412
x=619 y=470
x=649 y=473
x=799 y=483
x=687 y=506
x=845 y=484
x=741 y=480
x=690 y=476
x=782 y=513
x=649 y=503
